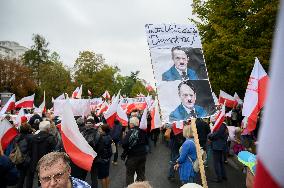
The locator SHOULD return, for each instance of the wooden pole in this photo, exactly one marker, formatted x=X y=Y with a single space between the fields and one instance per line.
x=199 y=157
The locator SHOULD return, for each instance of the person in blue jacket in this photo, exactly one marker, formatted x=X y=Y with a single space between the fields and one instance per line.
x=187 y=157
x=187 y=108
x=180 y=70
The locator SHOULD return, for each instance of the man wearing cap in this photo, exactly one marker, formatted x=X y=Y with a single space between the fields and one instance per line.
x=40 y=144
x=134 y=145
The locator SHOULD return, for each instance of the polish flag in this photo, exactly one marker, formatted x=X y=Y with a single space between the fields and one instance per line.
x=42 y=107
x=10 y=105
x=21 y=113
x=237 y=98
x=270 y=163
x=106 y=95
x=177 y=127
x=26 y=102
x=219 y=120
x=121 y=115
x=89 y=93
x=143 y=122
x=75 y=93
x=102 y=108
x=230 y=101
x=7 y=133
x=110 y=114
x=155 y=115
x=255 y=94
x=75 y=145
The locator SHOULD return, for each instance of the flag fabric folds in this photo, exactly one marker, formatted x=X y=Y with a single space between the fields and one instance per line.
x=225 y=97
x=255 y=94
x=7 y=133
x=26 y=102
x=75 y=145
x=10 y=105
x=270 y=163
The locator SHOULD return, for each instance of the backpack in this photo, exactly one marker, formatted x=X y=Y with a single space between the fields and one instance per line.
x=16 y=156
x=92 y=137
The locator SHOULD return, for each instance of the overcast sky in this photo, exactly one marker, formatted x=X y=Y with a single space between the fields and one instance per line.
x=114 y=28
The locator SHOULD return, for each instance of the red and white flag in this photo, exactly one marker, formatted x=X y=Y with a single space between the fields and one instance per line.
x=26 y=102
x=230 y=101
x=143 y=122
x=10 y=105
x=75 y=93
x=237 y=98
x=19 y=116
x=270 y=163
x=121 y=115
x=60 y=97
x=106 y=95
x=7 y=133
x=177 y=127
x=219 y=120
x=42 y=107
x=89 y=93
x=255 y=94
x=102 y=108
x=79 y=94
x=155 y=115
x=110 y=114
x=75 y=145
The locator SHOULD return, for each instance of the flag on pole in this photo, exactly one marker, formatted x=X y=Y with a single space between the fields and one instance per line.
x=230 y=101
x=121 y=115
x=155 y=115
x=75 y=145
x=110 y=114
x=270 y=163
x=42 y=107
x=237 y=98
x=26 y=102
x=7 y=133
x=79 y=94
x=255 y=94
x=106 y=95
x=75 y=93
x=143 y=122
x=10 y=105
x=220 y=119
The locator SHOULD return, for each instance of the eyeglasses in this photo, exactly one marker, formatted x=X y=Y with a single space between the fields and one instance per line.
x=57 y=177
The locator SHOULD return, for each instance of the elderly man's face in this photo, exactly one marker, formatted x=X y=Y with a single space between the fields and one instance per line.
x=180 y=59
x=55 y=176
x=187 y=96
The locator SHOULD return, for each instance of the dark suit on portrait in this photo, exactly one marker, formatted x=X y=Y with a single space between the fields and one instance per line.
x=181 y=114
x=172 y=74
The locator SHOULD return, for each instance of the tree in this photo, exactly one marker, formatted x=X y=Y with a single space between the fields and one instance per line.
x=234 y=33
x=16 y=78
x=36 y=56
x=55 y=79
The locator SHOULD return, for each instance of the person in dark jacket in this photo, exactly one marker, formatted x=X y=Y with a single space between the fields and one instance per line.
x=219 y=140
x=22 y=141
x=8 y=172
x=40 y=144
x=134 y=144
x=203 y=130
x=115 y=134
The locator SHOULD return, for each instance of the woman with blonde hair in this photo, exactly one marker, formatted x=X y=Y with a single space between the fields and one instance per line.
x=187 y=157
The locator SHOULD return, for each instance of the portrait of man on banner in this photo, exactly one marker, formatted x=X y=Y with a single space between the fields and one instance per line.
x=189 y=106
x=188 y=64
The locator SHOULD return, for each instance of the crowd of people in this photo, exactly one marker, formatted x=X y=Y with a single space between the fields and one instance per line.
x=42 y=152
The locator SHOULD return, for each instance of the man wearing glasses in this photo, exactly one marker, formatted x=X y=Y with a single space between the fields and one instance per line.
x=54 y=171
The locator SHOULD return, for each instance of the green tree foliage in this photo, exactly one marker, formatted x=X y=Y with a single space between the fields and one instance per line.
x=37 y=56
x=92 y=72
x=234 y=33
x=55 y=79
